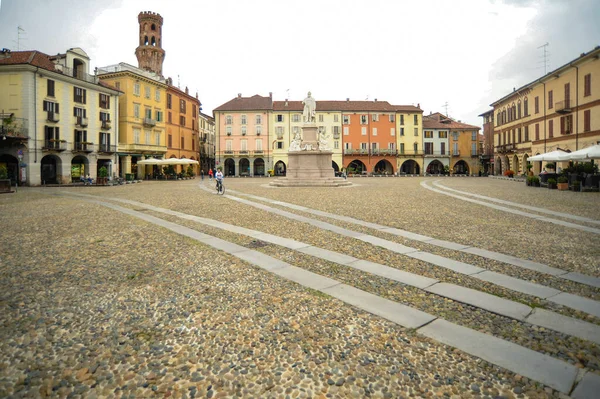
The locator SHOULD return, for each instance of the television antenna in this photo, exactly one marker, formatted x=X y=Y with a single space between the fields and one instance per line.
x=445 y=106
x=18 y=41
x=546 y=57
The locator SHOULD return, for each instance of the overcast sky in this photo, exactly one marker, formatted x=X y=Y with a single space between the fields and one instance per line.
x=466 y=53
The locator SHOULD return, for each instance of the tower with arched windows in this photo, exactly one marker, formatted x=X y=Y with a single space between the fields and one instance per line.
x=150 y=53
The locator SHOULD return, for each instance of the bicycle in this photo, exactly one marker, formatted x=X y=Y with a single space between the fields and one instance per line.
x=220 y=187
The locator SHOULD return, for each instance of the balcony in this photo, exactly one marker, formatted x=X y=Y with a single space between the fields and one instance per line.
x=106 y=125
x=279 y=136
x=107 y=149
x=358 y=151
x=54 y=145
x=82 y=146
x=456 y=153
x=505 y=148
x=384 y=152
x=149 y=122
x=436 y=154
x=53 y=116
x=81 y=121
x=563 y=107
x=411 y=153
x=336 y=136
x=228 y=152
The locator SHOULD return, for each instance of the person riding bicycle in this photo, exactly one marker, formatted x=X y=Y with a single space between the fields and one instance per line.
x=219 y=177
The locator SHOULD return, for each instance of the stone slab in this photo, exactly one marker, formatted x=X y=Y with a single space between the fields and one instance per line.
x=481 y=300
x=459 y=267
x=393 y=311
x=305 y=278
x=586 y=305
x=516 y=284
x=582 y=278
x=447 y=244
x=531 y=364
x=588 y=387
x=284 y=242
x=223 y=245
x=564 y=324
x=414 y=280
x=511 y=260
x=261 y=260
x=405 y=234
x=389 y=245
x=328 y=255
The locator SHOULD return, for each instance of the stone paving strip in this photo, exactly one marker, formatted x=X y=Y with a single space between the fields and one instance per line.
x=586 y=305
x=491 y=303
x=512 y=260
x=514 y=211
x=517 y=205
x=552 y=372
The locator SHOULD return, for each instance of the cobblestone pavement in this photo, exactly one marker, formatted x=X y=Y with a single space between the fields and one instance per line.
x=95 y=303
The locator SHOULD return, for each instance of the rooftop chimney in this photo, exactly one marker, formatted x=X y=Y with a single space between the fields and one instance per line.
x=239 y=95
x=347 y=98
x=186 y=90
x=271 y=95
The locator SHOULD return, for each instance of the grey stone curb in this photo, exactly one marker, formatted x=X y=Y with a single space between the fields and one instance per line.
x=468 y=296
x=505 y=281
x=517 y=205
x=543 y=368
x=514 y=211
x=511 y=260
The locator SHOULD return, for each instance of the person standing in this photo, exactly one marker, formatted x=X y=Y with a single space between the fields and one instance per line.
x=201 y=174
x=210 y=174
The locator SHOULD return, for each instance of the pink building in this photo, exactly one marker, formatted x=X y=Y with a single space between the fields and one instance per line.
x=243 y=143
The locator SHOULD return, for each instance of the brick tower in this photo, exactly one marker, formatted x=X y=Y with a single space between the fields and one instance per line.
x=149 y=53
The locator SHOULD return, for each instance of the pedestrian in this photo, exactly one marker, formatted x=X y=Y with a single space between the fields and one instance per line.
x=210 y=174
x=201 y=174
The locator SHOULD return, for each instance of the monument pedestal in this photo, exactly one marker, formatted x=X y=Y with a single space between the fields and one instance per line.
x=310 y=169
x=309 y=163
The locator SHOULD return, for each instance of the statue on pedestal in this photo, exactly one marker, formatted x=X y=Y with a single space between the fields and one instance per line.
x=310 y=107
x=295 y=144
x=323 y=141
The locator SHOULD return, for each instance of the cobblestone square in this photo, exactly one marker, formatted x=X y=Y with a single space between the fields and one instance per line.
x=112 y=292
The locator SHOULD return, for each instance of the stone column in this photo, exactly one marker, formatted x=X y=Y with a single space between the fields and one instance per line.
x=126 y=165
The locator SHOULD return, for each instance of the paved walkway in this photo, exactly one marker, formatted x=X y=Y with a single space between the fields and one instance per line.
x=548 y=370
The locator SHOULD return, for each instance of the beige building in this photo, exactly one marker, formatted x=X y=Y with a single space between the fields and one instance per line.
x=57 y=119
x=560 y=110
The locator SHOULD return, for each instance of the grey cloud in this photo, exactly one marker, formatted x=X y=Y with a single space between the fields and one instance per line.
x=51 y=26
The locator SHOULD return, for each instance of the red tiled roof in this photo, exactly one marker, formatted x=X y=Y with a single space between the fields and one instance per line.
x=440 y=121
x=239 y=103
x=34 y=58
x=348 y=106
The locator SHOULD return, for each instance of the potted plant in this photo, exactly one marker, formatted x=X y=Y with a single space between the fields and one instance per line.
x=190 y=171
x=576 y=185
x=562 y=183
x=4 y=180
x=550 y=166
x=551 y=183
x=535 y=181
x=102 y=176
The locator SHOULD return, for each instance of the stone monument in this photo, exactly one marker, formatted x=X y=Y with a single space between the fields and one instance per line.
x=309 y=155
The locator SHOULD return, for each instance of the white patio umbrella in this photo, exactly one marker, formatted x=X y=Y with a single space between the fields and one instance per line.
x=548 y=156
x=150 y=161
x=592 y=152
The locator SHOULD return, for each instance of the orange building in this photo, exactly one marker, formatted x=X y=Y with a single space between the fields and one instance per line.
x=368 y=135
x=182 y=126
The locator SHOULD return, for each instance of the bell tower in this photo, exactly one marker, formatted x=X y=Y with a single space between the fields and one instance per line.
x=149 y=53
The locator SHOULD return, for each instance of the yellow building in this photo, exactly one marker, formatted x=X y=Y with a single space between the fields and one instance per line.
x=182 y=126
x=56 y=122
x=560 y=110
x=207 y=138
x=409 y=125
x=141 y=116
